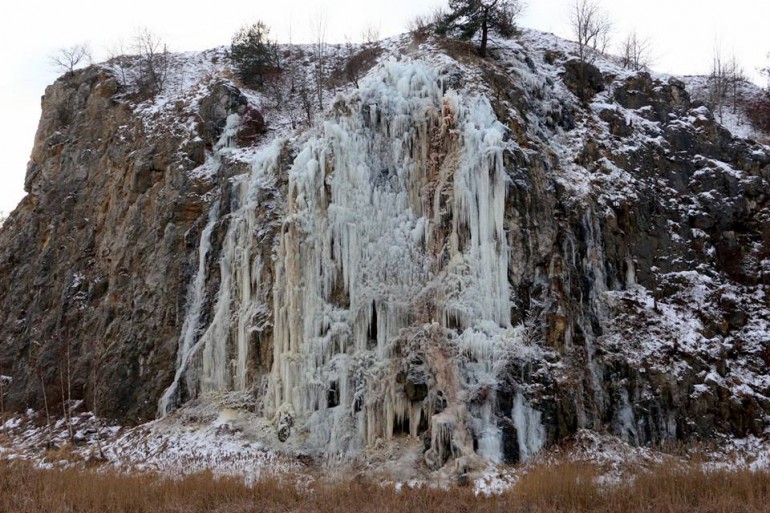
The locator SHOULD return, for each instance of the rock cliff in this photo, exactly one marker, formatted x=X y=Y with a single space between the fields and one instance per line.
x=476 y=258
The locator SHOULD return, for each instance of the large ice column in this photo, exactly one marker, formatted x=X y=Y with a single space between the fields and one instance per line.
x=530 y=431
x=242 y=296
x=479 y=262
x=351 y=257
x=365 y=253
x=187 y=366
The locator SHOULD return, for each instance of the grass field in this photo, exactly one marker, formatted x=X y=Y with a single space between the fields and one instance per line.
x=557 y=488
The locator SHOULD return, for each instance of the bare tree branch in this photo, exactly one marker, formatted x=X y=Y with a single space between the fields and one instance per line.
x=635 y=52
x=67 y=59
x=154 y=61
x=591 y=27
x=319 y=26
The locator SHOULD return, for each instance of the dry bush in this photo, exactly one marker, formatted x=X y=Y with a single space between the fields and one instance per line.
x=370 y=34
x=566 y=487
x=666 y=488
x=691 y=488
x=463 y=51
x=423 y=25
x=419 y=27
x=758 y=111
x=358 y=64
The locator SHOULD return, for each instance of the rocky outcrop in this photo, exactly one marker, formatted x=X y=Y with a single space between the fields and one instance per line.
x=477 y=258
x=643 y=289
x=96 y=259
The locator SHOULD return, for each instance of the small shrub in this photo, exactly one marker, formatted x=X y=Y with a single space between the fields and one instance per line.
x=359 y=63
x=419 y=27
x=758 y=111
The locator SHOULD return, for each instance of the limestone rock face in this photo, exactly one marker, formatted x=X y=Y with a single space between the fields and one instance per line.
x=475 y=257
x=95 y=260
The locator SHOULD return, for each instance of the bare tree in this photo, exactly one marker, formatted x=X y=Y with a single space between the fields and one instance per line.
x=97 y=356
x=724 y=83
x=153 y=61
x=306 y=99
x=117 y=56
x=635 y=52
x=67 y=59
x=66 y=399
x=717 y=83
x=591 y=27
x=319 y=26
x=47 y=411
x=370 y=34
x=735 y=78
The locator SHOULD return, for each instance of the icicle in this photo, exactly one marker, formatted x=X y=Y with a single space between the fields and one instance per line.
x=196 y=296
x=204 y=361
x=530 y=433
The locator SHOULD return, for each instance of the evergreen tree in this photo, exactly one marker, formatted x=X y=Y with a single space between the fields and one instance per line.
x=253 y=54
x=471 y=16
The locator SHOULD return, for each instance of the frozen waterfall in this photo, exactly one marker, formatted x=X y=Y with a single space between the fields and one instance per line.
x=390 y=308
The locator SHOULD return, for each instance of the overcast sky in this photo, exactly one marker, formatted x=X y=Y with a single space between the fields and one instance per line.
x=683 y=33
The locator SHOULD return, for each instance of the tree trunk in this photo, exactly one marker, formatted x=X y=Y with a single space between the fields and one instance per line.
x=484 y=33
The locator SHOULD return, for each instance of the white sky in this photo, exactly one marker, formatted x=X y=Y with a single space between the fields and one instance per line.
x=683 y=33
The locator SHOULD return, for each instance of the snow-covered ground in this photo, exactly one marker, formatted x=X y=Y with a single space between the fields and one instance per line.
x=732 y=112
x=222 y=440
x=227 y=443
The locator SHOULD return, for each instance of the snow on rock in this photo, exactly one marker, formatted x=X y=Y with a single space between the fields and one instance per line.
x=354 y=281
x=390 y=241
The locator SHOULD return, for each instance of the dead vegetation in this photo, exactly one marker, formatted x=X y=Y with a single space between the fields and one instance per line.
x=462 y=51
x=359 y=63
x=566 y=487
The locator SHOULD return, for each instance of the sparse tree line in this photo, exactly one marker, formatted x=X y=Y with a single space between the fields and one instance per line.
x=142 y=64
x=726 y=93
x=589 y=23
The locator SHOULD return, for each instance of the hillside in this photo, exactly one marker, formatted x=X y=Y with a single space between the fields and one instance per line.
x=460 y=261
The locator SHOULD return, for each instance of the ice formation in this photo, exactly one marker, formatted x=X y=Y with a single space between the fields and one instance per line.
x=206 y=361
x=529 y=429
x=390 y=296
x=196 y=295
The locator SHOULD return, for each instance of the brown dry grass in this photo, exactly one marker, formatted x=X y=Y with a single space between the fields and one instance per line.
x=462 y=51
x=558 y=488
